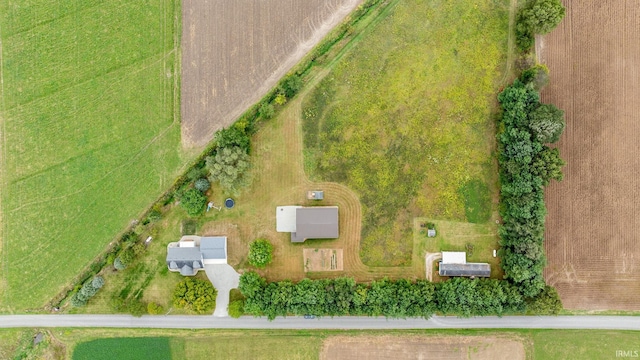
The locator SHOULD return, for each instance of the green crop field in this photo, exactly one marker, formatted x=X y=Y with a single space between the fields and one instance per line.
x=90 y=132
x=157 y=348
x=406 y=120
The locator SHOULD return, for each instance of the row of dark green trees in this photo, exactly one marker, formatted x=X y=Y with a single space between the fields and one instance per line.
x=396 y=299
x=526 y=166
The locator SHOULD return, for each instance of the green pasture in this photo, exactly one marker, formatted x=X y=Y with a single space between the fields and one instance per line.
x=406 y=120
x=91 y=133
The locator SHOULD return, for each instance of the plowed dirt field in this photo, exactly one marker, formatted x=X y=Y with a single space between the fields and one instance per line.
x=233 y=52
x=592 y=237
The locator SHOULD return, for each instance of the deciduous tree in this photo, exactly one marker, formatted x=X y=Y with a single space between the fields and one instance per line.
x=195 y=294
x=193 y=201
x=547 y=123
x=228 y=167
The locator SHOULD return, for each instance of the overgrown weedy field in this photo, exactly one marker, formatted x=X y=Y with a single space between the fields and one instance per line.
x=406 y=121
x=90 y=132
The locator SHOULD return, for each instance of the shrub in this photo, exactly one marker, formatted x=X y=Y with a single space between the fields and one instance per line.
x=193 y=201
x=537 y=75
x=127 y=256
x=97 y=282
x=154 y=215
x=234 y=136
x=228 y=167
x=547 y=302
x=266 y=110
x=260 y=253
x=280 y=99
x=136 y=307
x=118 y=264
x=291 y=85
x=236 y=308
x=195 y=294
x=154 y=309
x=78 y=300
x=195 y=173
x=202 y=184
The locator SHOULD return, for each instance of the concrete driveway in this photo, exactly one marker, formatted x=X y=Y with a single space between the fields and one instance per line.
x=224 y=278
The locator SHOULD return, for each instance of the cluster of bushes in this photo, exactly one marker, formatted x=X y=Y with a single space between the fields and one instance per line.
x=526 y=166
x=399 y=299
x=130 y=249
x=537 y=17
x=87 y=291
x=260 y=253
x=195 y=295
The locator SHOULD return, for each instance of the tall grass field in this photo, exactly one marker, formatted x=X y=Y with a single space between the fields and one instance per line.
x=90 y=132
x=406 y=120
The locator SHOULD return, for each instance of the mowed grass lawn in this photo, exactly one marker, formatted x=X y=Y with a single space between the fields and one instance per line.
x=91 y=132
x=405 y=120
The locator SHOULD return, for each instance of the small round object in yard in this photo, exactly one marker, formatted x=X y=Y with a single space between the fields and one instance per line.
x=229 y=203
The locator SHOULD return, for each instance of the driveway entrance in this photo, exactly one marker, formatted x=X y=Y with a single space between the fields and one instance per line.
x=224 y=278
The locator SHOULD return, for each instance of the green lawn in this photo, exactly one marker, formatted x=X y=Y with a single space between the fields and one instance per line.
x=141 y=348
x=586 y=344
x=264 y=347
x=91 y=132
x=405 y=120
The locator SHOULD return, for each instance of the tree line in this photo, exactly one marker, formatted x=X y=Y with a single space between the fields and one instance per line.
x=526 y=166
x=392 y=298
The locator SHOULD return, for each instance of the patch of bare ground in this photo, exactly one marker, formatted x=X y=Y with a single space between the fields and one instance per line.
x=233 y=52
x=592 y=239
x=323 y=260
x=422 y=347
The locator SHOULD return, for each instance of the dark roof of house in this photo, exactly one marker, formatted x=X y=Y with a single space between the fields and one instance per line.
x=468 y=269
x=319 y=222
x=186 y=259
x=213 y=247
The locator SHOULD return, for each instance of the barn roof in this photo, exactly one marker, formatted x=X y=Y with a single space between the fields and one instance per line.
x=468 y=269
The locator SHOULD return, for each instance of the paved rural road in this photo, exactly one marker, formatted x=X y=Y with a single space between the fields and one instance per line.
x=247 y=322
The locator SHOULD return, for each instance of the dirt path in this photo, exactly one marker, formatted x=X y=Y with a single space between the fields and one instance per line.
x=429 y=258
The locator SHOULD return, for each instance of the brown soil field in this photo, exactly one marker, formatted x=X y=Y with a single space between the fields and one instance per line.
x=592 y=238
x=323 y=260
x=422 y=347
x=233 y=52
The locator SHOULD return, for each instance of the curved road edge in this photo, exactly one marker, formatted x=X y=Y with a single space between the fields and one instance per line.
x=294 y=322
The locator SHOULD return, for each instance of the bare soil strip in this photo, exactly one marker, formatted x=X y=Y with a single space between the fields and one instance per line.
x=422 y=347
x=233 y=52
x=323 y=260
x=592 y=239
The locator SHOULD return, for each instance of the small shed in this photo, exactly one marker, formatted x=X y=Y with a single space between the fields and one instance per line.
x=431 y=233
x=315 y=195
